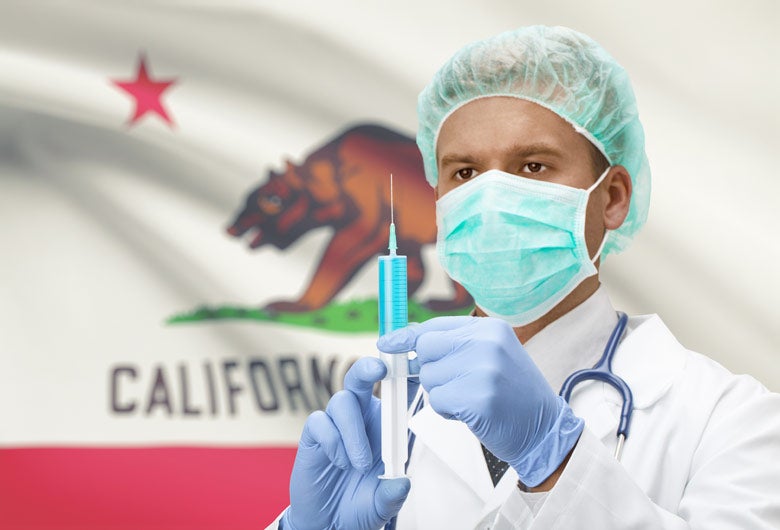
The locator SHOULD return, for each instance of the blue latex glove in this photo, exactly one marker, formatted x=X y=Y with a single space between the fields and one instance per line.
x=476 y=371
x=334 y=480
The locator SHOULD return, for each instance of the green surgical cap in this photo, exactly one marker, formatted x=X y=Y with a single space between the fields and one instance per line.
x=562 y=70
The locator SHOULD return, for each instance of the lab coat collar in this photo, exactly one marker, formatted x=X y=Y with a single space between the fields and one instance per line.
x=649 y=359
x=574 y=341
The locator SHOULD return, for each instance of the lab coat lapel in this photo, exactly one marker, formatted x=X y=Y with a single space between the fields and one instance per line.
x=456 y=447
x=499 y=495
x=648 y=359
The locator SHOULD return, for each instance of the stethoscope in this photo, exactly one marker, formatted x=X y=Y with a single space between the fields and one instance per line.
x=601 y=371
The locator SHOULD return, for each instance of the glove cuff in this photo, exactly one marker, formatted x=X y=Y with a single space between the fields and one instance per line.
x=543 y=459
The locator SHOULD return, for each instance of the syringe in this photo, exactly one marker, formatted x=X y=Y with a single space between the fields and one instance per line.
x=393 y=314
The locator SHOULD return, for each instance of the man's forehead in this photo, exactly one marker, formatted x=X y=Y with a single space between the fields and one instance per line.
x=499 y=116
x=513 y=126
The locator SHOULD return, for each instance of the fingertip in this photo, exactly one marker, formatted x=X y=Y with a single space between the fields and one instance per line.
x=399 y=487
x=378 y=369
x=390 y=496
x=393 y=490
x=371 y=368
x=398 y=341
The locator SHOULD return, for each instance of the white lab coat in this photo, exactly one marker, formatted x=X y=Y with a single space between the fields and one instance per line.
x=703 y=452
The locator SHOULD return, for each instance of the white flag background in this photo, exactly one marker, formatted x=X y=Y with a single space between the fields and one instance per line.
x=140 y=381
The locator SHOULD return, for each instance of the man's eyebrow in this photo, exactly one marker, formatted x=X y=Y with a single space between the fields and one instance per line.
x=518 y=150
x=456 y=158
x=525 y=150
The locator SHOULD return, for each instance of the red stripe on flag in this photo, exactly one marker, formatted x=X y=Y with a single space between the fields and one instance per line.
x=150 y=488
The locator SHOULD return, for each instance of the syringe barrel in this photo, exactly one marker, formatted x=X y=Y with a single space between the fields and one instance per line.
x=393 y=296
x=393 y=314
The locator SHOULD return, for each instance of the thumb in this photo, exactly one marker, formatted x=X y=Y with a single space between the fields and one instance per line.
x=390 y=496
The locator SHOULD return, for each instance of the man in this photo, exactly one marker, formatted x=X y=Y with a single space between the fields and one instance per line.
x=533 y=144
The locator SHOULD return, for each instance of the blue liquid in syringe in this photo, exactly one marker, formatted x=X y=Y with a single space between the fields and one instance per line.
x=393 y=302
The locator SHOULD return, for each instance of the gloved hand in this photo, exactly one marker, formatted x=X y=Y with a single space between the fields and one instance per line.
x=476 y=371
x=334 y=480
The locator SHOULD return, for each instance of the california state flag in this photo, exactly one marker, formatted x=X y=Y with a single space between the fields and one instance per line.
x=192 y=203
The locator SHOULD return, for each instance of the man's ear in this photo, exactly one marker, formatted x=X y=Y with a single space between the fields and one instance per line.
x=618 y=197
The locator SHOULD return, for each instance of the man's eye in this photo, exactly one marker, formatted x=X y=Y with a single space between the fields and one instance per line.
x=533 y=167
x=466 y=173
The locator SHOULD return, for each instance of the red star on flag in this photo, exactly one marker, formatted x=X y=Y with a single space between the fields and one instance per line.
x=146 y=92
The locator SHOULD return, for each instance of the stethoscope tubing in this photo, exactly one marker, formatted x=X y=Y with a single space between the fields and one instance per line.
x=602 y=371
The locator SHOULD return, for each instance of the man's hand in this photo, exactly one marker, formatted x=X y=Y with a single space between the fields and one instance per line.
x=476 y=371
x=334 y=480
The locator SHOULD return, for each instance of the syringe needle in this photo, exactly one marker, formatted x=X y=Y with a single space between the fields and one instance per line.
x=392 y=220
x=392 y=243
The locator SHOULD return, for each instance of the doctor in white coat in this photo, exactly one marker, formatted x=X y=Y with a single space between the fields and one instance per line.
x=533 y=144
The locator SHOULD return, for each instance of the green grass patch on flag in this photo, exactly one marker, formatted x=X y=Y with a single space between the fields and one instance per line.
x=355 y=316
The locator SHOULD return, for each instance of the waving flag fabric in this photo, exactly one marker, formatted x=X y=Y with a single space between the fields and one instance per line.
x=193 y=195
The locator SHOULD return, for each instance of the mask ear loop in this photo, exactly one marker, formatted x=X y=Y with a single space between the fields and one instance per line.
x=606 y=230
x=601 y=247
x=598 y=180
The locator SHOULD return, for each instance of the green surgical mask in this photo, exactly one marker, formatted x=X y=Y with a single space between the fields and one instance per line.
x=517 y=245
